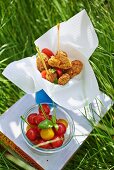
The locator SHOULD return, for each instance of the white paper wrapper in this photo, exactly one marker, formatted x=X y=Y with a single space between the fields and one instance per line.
x=79 y=40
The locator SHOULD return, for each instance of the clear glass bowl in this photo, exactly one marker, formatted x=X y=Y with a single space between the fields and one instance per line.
x=60 y=113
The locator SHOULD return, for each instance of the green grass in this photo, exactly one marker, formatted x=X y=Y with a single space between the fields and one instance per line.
x=24 y=21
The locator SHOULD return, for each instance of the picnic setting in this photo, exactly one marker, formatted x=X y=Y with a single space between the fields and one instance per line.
x=57 y=85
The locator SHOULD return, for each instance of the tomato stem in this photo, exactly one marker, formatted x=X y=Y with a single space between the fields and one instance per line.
x=44 y=114
x=25 y=121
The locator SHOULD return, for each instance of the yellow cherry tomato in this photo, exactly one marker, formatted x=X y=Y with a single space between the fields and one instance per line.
x=63 y=121
x=47 y=134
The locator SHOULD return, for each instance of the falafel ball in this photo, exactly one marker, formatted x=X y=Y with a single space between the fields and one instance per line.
x=75 y=69
x=39 y=63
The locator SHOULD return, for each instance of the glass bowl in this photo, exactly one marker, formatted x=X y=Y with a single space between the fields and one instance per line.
x=60 y=114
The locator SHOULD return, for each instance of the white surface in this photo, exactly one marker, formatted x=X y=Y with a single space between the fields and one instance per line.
x=79 y=40
x=10 y=126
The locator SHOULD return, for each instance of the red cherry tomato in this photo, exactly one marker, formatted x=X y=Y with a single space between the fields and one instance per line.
x=59 y=72
x=48 y=52
x=57 y=143
x=50 y=117
x=31 y=117
x=35 y=142
x=46 y=146
x=39 y=118
x=45 y=108
x=37 y=130
x=32 y=134
x=43 y=73
x=61 y=129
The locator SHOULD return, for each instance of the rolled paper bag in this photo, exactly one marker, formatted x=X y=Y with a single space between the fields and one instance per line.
x=79 y=40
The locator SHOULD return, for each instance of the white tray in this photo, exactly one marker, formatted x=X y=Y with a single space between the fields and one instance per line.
x=10 y=127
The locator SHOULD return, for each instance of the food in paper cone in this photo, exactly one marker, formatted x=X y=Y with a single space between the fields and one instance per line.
x=60 y=69
x=77 y=84
x=45 y=130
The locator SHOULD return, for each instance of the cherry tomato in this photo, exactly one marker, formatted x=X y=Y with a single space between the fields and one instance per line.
x=57 y=143
x=50 y=117
x=47 y=134
x=59 y=72
x=31 y=117
x=61 y=129
x=35 y=142
x=39 y=118
x=63 y=121
x=45 y=108
x=48 y=52
x=37 y=130
x=32 y=134
x=46 y=146
x=43 y=73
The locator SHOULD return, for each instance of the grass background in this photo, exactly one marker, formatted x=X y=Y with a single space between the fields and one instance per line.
x=23 y=21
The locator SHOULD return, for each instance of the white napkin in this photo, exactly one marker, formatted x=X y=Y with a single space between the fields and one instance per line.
x=79 y=40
